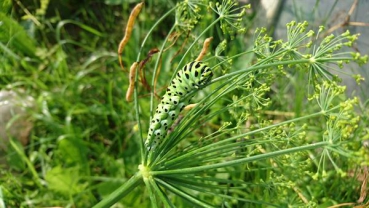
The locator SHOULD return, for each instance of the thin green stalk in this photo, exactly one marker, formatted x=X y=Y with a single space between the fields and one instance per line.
x=155 y=69
x=334 y=59
x=135 y=93
x=8 y=52
x=152 y=84
x=183 y=194
x=193 y=44
x=213 y=190
x=195 y=151
x=240 y=161
x=164 y=198
x=121 y=192
x=252 y=68
x=154 y=202
x=152 y=29
x=2 y=203
x=263 y=65
x=34 y=173
x=82 y=26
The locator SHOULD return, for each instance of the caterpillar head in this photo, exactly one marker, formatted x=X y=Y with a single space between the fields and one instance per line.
x=206 y=77
x=201 y=73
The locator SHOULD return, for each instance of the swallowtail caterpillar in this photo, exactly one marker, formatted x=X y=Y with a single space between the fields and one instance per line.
x=188 y=80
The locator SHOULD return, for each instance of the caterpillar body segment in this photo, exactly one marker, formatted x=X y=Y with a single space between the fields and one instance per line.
x=188 y=80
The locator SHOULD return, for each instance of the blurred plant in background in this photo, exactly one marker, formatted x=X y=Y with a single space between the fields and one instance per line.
x=249 y=141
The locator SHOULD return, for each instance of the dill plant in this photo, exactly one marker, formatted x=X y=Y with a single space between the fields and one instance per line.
x=240 y=146
x=226 y=151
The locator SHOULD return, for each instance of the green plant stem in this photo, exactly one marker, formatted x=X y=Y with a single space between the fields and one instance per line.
x=9 y=52
x=183 y=194
x=156 y=68
x=32 y=169
x=240 y=161
x=147 y=153
x=252 y=68
x=335 y=59
x=161 y=195
x=149 y=186
x=265 y=65
x=210 y=146
x=82 y=26
x=135 y=93
x=121 y=192
x=152 y=29
x=193 y=44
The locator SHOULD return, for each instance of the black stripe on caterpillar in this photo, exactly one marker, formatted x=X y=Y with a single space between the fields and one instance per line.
x=188 y=80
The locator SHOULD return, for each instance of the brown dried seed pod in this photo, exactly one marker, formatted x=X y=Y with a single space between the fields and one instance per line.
x=132 y=76
x=127 y=34
x=205 y=48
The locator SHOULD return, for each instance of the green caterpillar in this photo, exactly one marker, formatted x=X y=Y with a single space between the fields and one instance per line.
x=188 y=80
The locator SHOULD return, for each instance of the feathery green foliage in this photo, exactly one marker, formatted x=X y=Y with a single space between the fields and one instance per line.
x=248 y=142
